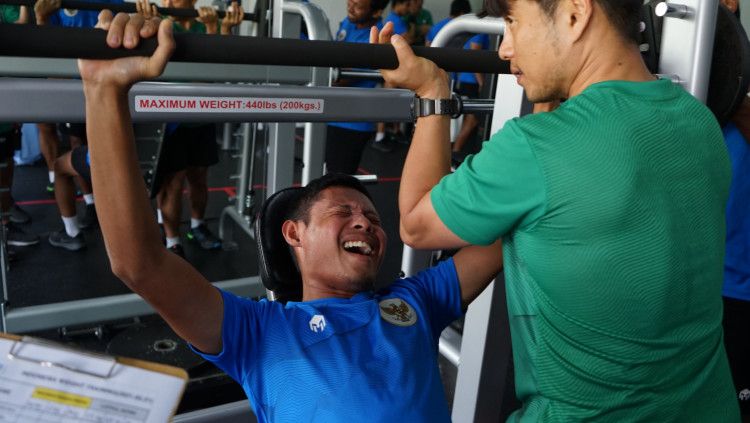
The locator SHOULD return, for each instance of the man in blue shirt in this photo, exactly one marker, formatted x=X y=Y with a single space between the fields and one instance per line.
x=61 y=175
x=345 y=353
x=398 y=17
x=736 y=289
x=345 y=141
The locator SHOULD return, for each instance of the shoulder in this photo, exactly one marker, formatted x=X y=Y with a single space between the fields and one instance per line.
x=443 y=271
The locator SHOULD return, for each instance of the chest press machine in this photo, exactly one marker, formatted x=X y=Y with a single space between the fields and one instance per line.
x=483 y=363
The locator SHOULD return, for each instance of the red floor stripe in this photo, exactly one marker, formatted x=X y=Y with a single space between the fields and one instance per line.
x=229 y=191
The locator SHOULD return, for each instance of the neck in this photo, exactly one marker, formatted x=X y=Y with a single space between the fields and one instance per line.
x=312 y=292
x=623 y=62
x=184 y=22
x=366 y=23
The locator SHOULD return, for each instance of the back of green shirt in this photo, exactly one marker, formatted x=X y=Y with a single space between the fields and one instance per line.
x=611 y=210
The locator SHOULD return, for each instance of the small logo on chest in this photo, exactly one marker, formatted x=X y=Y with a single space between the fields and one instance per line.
x=318 y=323
x=398 y=312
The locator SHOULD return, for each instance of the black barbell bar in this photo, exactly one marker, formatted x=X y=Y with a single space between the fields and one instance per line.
x=124 y=7
x=88 y=43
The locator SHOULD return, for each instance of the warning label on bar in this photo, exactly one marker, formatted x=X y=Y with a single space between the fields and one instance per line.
x=182 y=104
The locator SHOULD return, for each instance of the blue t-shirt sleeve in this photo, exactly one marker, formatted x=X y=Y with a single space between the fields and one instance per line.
x=240 y=336
x=398 y=25
x=440 y=293
x=482 y=39
x=431 y=34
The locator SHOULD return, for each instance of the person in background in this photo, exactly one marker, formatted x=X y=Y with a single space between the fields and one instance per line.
x=736 y=289
x=420 y=20
x=189 y=149
x=399 y=18
x=346 y=141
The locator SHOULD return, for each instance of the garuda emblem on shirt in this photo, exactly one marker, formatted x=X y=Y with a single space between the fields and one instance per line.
x=398 y=312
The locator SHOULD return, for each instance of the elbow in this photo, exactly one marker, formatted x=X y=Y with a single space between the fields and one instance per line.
x=135 y=271
x=411 y=236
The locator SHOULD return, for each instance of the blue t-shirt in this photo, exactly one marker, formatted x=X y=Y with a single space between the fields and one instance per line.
x=484 y=41
x=399 y=27
x=737 y=259
x=349 y=32
x=78 y=18
x=432 y=33
x=370 y=358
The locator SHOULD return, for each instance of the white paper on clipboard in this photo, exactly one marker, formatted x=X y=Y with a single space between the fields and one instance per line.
x=44 y=382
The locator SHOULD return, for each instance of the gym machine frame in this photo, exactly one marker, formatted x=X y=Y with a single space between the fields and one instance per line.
x=693 y=31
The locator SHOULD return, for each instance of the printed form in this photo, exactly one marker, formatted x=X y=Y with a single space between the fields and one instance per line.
x=43 y=382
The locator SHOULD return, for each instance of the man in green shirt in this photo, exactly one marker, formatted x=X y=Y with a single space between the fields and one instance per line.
x=419 y=21
x=611 y=211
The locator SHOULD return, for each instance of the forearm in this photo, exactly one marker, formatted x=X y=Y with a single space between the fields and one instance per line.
x=427 y=161
x=23 y=15
x=476 y=267
x=226 y=29
x=128 y=226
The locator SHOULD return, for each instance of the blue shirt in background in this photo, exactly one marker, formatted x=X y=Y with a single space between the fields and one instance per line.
x=484 y=41
x=432 y=33
x=348 y=32
x=399 y=27
x=737 y=259
x=369 y=358
x=78 y=18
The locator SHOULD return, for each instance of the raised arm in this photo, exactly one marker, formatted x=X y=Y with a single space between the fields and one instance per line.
x=428 y=159
x=191 y=306
x=234 y=16
x=476 y=267
x=43 y=9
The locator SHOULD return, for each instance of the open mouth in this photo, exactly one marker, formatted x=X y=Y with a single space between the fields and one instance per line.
x=358 y=247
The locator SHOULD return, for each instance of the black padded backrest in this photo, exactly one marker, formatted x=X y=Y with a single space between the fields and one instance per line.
x=278 y=272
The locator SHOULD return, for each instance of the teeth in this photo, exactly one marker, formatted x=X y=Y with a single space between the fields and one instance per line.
x=363 y=246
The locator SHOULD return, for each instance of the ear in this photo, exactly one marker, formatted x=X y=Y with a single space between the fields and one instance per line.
x=291 y=231
x=576 y=16
x=377 y=14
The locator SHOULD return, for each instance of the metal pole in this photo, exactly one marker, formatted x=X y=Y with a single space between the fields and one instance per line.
x=687 y=44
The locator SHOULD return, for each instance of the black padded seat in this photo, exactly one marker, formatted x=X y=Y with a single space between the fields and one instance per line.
x=278 y=271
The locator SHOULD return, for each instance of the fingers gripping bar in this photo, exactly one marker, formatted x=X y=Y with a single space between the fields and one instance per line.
x=124 y=7
x=88 y=43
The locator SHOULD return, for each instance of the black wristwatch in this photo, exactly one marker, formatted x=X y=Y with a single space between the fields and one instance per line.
x=446 y=106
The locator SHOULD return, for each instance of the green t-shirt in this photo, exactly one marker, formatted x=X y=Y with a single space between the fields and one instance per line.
x=611 y=211
x=424 y=17
x=195 y=28
x=9 y=14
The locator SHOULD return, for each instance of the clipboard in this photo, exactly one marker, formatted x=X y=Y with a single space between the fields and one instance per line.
x=41 y=380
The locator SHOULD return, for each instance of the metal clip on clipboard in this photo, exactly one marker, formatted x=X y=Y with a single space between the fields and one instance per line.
x=17 y=349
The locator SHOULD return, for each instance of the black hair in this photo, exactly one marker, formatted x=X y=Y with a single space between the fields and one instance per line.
x=394 y=3
x=307 y=196
x=377 y=5
x=460 y=7
x=625 y=15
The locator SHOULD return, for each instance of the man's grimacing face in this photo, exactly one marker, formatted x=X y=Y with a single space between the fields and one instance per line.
x=343 y=243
